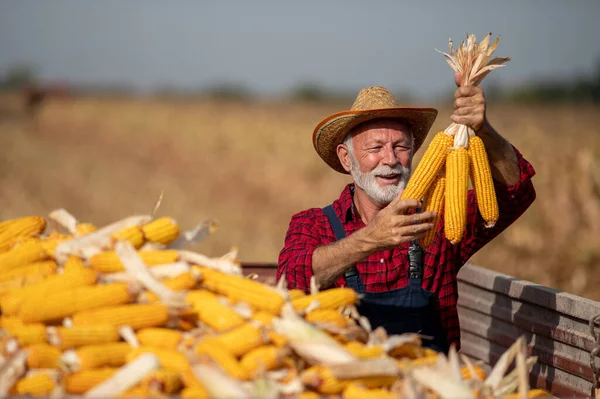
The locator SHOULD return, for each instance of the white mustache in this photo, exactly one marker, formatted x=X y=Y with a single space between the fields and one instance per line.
x=385 y=170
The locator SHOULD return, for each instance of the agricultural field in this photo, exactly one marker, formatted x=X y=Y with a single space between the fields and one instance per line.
x=251 y=166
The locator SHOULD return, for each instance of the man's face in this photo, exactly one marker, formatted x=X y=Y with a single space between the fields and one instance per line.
x=380 y=158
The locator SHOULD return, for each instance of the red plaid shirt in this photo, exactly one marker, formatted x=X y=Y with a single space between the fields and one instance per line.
x=388 y=269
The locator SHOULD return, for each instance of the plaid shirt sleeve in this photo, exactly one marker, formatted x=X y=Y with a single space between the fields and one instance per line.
x=513 y=201
x=305 y=233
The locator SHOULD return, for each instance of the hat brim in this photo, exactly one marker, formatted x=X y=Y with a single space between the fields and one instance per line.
x=331 y=131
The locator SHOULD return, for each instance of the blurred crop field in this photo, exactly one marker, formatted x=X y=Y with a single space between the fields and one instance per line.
x=251 y=166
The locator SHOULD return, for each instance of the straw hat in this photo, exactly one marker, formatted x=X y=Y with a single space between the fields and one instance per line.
x=371 y=102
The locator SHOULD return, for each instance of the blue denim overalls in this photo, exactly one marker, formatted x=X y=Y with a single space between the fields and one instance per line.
x=411 y=309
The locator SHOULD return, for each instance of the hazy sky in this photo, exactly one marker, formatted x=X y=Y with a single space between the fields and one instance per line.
x=272 y=45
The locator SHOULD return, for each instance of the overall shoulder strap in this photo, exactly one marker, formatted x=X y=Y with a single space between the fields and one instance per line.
x=340 y=233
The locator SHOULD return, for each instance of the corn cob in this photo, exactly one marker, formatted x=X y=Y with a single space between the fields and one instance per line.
x=20 y=227
x=242 y=339
x=296 y=293
x=29 y=252
x=166 y=381
x=329 y=299
x=63 y=304
x=361 y=351
x=320 y=379
x=132 y=234
x=90 y=357
x=136 y=316
x=169 y=359
x=483 y=185
x=12 y=300
x=10 y=322
x=83 y=381
x=109 y=262
x=466 y=373
x=222 y=358
x=261 y=359
x=160 y=337
x=434 y=201
x=189 y=380
x=39 y=384
x=194 y=393
x=212 y=312
x=326 y=316
x=263 y=318
x=409 y=351
x=162 y=230
x=277 y=339
x=29 y=334
x=84 y=228
x=357 y=391
x=43 y=268
x=457 y=185
x=43 y=356
x=139 y=392
x=74 y=337
x=182 y=282
x=430 y=165
x=73 y=264
x=243 y=289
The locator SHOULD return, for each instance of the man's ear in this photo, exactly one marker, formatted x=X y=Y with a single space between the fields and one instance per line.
x=344 y=156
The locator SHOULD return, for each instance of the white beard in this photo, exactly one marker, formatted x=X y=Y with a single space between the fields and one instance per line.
x=368 y=181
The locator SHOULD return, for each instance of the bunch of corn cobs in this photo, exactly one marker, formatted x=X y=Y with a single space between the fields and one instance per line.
x=126 y=311
x=457 y=155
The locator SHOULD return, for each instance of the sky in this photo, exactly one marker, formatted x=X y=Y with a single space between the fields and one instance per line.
x=271 y=46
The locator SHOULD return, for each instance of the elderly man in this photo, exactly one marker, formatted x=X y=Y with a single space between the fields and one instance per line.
x=363 y=240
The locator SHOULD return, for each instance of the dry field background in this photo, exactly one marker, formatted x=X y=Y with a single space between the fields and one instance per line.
x=251 y=166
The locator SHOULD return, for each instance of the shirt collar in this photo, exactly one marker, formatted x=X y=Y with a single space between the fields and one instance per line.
x=347 y=204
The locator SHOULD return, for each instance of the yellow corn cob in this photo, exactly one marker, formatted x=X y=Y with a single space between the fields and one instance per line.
x=241 y=339
x=407 y=364
x=49 y=245
x=73 y=264
x=113 y=354
x=10 y=322
x=320 y=379
x=160 y=337
x=84 y=228
x=39 y=384
x=83 y=381
x=309 y=395
x=296 y=293
x=109 y=262
x=139 y=392
x=43 y=356
x=356 y=391
x=20 y=227
x=434 y=201
x=457 y=186
x=430 y=165
x=261 y=359
x=43 y=268
x=172 y=360
x=243 y=289
x=29 y=252
x=59 y=305
x=190 y=381
x=132 y=234
x=483 y=185
x=410 y=351
x=361 y=351
x=74 y=337
x=136 y=316
x=262 y=317
x=212 y=312
x=162 y=230
x=277 y=339
x=181 y=282
x=12 y=300
x=194 y=393
x=329 y=299
x=326 y=316
x=28 y=334
x=480 y=373
x=221 y=357
x=166 y=381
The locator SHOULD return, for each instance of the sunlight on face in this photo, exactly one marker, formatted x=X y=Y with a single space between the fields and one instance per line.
x=385 y=149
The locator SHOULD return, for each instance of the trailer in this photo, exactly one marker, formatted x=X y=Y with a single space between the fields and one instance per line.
x=561 y=329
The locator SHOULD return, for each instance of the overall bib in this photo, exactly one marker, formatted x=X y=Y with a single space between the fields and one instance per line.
x=411 y=309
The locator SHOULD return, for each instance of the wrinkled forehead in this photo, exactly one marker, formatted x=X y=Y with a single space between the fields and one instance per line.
x=393 y=129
